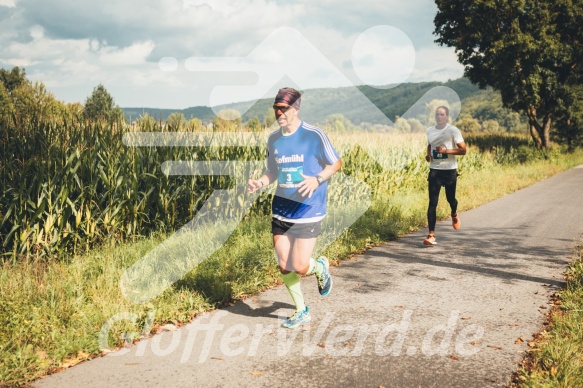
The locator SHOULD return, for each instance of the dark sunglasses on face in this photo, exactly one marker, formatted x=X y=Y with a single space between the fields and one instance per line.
x=282 y=109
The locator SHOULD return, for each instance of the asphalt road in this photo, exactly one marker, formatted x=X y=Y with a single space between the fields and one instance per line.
x=458 y=314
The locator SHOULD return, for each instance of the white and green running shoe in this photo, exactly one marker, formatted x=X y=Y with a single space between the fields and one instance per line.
x=298 y=318
x=325 y=278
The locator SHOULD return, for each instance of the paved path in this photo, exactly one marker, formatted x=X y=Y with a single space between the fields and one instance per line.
x=400 y=315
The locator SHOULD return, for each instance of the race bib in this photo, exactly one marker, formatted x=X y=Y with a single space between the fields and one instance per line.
x=439 y=155
x=290 y=176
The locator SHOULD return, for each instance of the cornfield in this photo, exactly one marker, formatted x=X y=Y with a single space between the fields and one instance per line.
x=68 y=185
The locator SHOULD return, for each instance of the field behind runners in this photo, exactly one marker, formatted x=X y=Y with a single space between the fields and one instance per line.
x=80 y=214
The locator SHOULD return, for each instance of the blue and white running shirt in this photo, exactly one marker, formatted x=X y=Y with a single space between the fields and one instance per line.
x=306 y=151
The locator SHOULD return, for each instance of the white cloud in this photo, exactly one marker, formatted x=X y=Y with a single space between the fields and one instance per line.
x=225 y=7
x=383 y=55
x=20 y=62
x=135 y=54
x=8 y=3
x=37 y=32
x=436 y=64
x=73 y=46
x=68 y=73
x=168 y=64
x=42 y=49
x=149 y=78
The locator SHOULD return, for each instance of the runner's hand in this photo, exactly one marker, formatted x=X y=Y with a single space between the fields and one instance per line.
x=308 y=185
x=253 y=185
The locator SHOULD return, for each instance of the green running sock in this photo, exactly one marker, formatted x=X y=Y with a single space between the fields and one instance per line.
x=292 y=283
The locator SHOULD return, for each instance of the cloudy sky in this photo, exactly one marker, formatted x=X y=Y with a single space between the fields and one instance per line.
x=183 y=53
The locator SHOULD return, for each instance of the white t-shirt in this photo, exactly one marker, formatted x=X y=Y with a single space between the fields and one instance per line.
x=447 y=137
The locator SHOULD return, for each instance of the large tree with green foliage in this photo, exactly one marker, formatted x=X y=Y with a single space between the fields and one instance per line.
x=570 y=122
x=522 y=48
x=10 y=82
x=13 y=79
x=101 y=106
x=24 y=105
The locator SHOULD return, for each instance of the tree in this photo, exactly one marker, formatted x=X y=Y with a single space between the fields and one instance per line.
x=491 y=126
x=23 y=103
x=467 y=124
x=147 y=123
x=520 y=48
x=101 y=106
x=194 y=124
x=514 y=123
x=269 y=118
x=402 y=125
x=227 y=120
x=6 y=107
x=13 y=79
x=416 y=125
x=176 y=121
x=254 y=124
x=569 y=125
x=337 y=123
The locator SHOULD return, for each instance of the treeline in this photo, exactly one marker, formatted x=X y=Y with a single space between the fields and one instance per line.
x=336 y=110
x=482 y=110
x=321 y=103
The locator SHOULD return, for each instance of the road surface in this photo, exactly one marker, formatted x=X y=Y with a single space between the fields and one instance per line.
x=458 y=314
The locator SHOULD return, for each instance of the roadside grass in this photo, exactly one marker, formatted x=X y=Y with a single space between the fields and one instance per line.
x=52 y=312
x=555 y=357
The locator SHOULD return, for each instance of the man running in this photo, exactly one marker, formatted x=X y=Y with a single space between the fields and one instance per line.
x=300 y=159
x=444 y=142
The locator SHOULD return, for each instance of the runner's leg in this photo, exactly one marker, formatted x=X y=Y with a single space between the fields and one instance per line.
x=301 y=253
x=291 y=279
x=450 y=188
x=434 y=187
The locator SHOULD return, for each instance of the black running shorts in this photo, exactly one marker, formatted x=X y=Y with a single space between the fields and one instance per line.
x=307 y=230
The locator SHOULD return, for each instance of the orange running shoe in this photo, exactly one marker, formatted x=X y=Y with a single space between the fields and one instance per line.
x=455 y=221
x=430 y=240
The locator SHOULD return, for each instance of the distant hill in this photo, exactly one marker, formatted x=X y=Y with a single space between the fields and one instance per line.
x=317 y=104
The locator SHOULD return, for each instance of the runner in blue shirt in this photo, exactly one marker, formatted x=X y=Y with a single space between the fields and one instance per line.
x=300 y=159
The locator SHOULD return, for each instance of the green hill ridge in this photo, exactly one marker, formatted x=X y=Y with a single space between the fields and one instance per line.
x=354 y=103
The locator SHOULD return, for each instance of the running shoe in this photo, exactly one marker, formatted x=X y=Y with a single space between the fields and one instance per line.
x=325 y=278
x=455 y=221
x=299 y=318
x=430 y=240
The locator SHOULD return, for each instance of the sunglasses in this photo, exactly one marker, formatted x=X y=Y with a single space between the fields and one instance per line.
x=282 y=109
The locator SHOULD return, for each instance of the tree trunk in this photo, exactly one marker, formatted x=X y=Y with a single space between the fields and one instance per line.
x=535 y=136
x=535 y=131
x=546 y=135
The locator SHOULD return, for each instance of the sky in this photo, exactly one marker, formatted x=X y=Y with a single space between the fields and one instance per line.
x=177 y=54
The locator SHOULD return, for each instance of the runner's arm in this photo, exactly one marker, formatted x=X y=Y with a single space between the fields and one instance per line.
x=428 y=154
x=460 y=150
x=257 y=184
